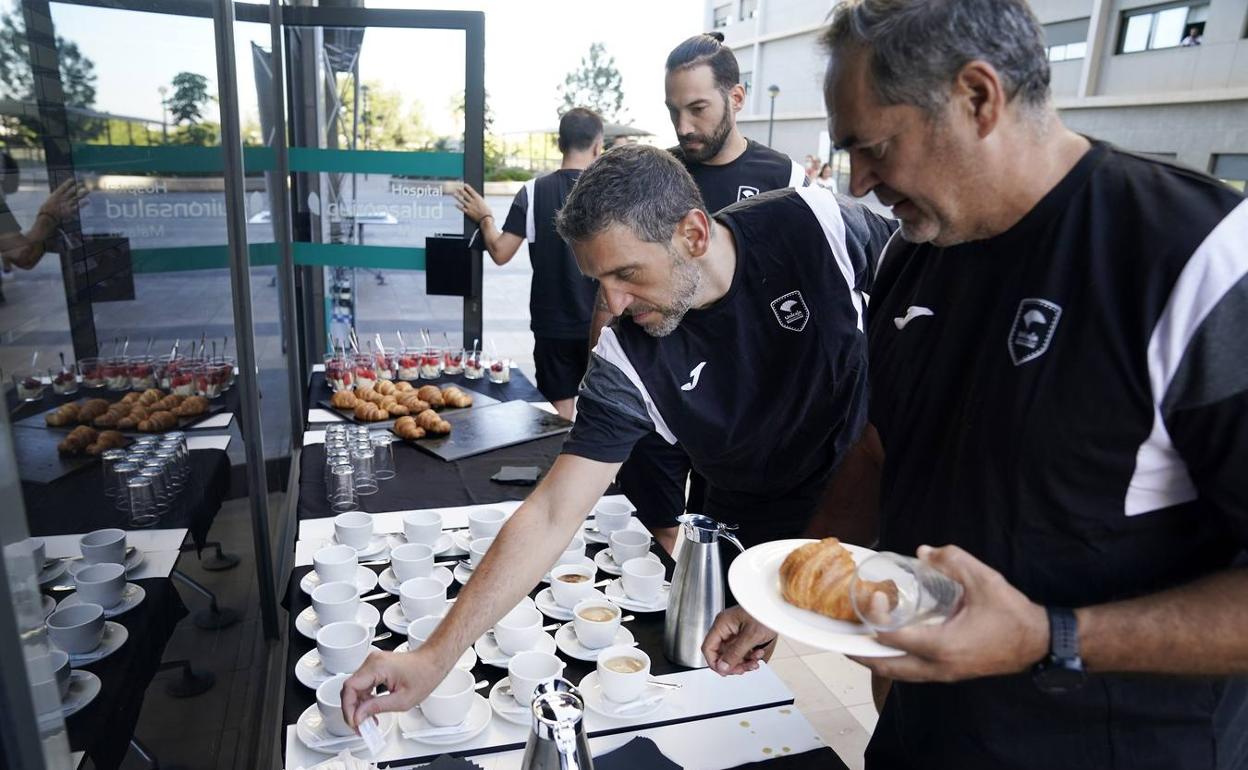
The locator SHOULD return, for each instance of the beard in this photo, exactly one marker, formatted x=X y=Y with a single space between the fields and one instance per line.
x=711 y=145
x=686 y=278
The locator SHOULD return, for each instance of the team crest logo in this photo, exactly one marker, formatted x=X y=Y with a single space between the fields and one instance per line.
x=1033 y=329
x=791 y=311
x=745 y=191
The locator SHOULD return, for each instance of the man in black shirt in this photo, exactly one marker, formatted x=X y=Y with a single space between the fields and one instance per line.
x=561 y=300
x=703 y=96
x=741 y=336
x=1060 y=389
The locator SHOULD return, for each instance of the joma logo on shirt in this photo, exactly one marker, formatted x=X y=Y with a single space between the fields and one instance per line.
x=791 y=311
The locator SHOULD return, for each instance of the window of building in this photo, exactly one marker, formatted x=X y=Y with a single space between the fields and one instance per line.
x=1167 y=26
x=747 y=80
x=749 y=9
x=721 y=16
x=1066 y=40
x=1232 y=169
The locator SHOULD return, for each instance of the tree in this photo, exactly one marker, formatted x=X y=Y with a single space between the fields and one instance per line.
x=384 y=123
x=595 y=84
x=16 y=83
x=190 y=93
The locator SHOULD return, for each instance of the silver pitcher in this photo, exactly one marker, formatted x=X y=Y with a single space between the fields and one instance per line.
x=558 y=740
x=697 y=587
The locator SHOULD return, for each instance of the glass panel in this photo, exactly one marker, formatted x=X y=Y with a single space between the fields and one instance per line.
x=722 y=16
x=1057 y=53
x=1076 y=50
x=1169 y=28
x=748 y=9
x=1136 y=36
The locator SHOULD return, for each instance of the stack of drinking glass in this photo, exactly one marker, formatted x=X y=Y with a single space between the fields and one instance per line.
x=356 y=461
x=143 y=481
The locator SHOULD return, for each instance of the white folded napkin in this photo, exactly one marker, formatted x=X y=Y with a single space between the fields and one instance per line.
x=435 y=732
x=640 y=703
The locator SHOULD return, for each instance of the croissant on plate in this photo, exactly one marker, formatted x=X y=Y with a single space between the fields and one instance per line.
x=169 y=403
x=78 y=439
x=158 y=421
x=370 y=412
x=385 y=387
x=433 y=423
x=412 y=402
x=406 y=428
x=193 y=406
x=816 y=577
x=108 y=439
x=90 y=409
x=343 y=399
x=402 y=386
x=150 y=396
x=455 y=397
x=63 y=415
x=432 y=394
x=130 y=398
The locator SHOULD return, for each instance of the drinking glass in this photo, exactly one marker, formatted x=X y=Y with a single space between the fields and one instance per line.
x=92 y=372
x=160 y=487
x=889 y=591
x=64 y=379
x=500 y=370
x=474 y=366
x=29 y=384
x=431 y=363
x=141 y=497
x=342 y=489
x=142 y=371
x=362 y=463
x=383 y=456
x=122 y=473
x=108 y=459
x=453 y=361
x=332 y=461
x=117 y=373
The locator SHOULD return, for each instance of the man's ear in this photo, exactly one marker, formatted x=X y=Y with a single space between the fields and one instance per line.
x=694 y=229
x=736 y=98
x=980 y=96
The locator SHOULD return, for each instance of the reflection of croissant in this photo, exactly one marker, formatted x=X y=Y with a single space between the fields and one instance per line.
x=433 y=423
x=816 y=577
x=108 y=439
x=432 y=394
x=78 y=439
x=455 y=397
x=406 y=428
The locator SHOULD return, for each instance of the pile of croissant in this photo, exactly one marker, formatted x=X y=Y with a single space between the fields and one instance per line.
x=817 y=577
x=148 y=412
x=399 y=399
x=427 y=423
x=87 y=440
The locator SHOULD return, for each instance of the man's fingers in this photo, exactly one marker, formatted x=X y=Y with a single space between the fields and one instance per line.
x=956 y=563
x=376 y=705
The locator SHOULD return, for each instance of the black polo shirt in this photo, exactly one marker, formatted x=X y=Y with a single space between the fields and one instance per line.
x=757 y=170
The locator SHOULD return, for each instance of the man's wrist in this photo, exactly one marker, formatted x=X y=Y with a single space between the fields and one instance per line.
x=1036 y=636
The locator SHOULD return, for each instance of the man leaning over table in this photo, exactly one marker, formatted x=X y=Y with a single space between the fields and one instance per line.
x=741 y=337
x=1059 y=390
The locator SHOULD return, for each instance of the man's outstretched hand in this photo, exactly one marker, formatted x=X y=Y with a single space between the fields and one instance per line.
x=409 y=677
x=737 y=642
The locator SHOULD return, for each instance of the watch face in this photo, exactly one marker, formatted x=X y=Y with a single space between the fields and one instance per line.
x=1058 y=676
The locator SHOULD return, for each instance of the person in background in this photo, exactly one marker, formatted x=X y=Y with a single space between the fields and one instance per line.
x=25 y=249
x=826 y=178
x=561 y=300
x=1192 y=38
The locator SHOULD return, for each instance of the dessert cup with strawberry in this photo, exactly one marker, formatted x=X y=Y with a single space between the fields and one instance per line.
x=117 y=373
x=92 y=372
x=64 y=379
x=409 y=365
x=500 y=371
x=29 y=384
x=452 y=361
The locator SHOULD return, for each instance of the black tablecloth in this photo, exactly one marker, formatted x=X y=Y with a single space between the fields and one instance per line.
x=103 y=729
x=76 y=503
x=519 y=389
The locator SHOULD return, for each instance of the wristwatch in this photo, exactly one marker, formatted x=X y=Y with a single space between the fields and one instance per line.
x=1061 y=671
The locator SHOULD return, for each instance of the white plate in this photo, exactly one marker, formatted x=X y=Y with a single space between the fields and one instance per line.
x=53 y=571
x=389 y=581
x=115 y=635
x=606 y=561
x=597 y=701
x=311 y=672
x=49 y=606
x=308 y=624
x=311 y=728
x=440 y=546
x=583 y=561
x=545 y=601
x=466 y=661
x=397 y=621
x=461 y=540
x=376 y=545
x=462 y=573
x=755 y=581
x=474 y=724
x=615 y=592
x=131 y=562
x=365 y=580
x=488 y=652
x=83 y=687
x=568 y=644
x=505 y=705
x=131 y=596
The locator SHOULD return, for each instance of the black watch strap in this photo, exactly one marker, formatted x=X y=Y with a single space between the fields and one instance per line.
x=1063 y=633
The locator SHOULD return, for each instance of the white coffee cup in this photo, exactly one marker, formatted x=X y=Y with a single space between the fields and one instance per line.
x=336 y=563
x=477 y=549
x=629 y=544
x=618 y=686
x=567 y=595
x=574 y=552
x=610 y=516
x=642 y=579
x=451 y=700
x=58 y=660
x=486 y=522
x=77 y=629
x=101 y=584
x=335 y=602
x=422 y=527
x=518 y=630
x=103 y=546
x=420 y=629
x=422 y=596
x=593 y=634
x=343 y=646
x=329 y=703
x=412 y=560
x=354 y=528
x=529 y=669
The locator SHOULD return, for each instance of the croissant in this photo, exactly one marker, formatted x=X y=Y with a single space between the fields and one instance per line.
x=370 y=412
x=344 y=399
x=413 y=403
x=64 y=415
x=816 y=577
x=397 y=410
x=132 y=420
x=109 y=419
x=406 y=428
x=402 y=386
x=168 y=403
x=130 y=398
x=91 y=408
x=108 y=439
x=384 y=387
x=455 y=397
x=78 y=439
x=159 y=421
x=371 y=396
x=150 y=396
x=433 y=423
x=432 y=394
x=191 y=407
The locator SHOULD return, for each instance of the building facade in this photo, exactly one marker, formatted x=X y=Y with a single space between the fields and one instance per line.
x=1166 y=79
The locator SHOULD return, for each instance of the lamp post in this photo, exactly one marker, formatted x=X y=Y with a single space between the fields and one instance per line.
x=164 y=108
x=773 y=91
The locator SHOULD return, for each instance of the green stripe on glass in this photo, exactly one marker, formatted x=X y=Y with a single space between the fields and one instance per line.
x=425 y=165
x=176 y=259
x=173 y=159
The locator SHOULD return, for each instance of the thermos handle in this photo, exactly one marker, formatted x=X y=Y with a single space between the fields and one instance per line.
x=565 y=743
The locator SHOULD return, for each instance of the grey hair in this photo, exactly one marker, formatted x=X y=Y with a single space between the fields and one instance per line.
x=917 y=47
x=641 y=187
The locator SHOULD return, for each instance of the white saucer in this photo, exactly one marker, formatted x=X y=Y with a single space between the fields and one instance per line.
x=568 y=644
x=308 y=624
x=365 y=580
x=584 y=561
x=505 y=705
x=462 y=573
x=376 y=545
x=488 y=652
x=466 y=661
x=461 y=540
x=440 y=546
x=311 y=672
x=474 y=724
x=615 y=592
x=49 y=606
x=115 y=635
x=593 y=535
x=606 y=561
x=131 y=596
x=397 y=621
x=52 y=572
x=389 y=581
x=310 y=728
x=83 y=687
x=133 y=560
x=545 y=601
x=597 y=701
